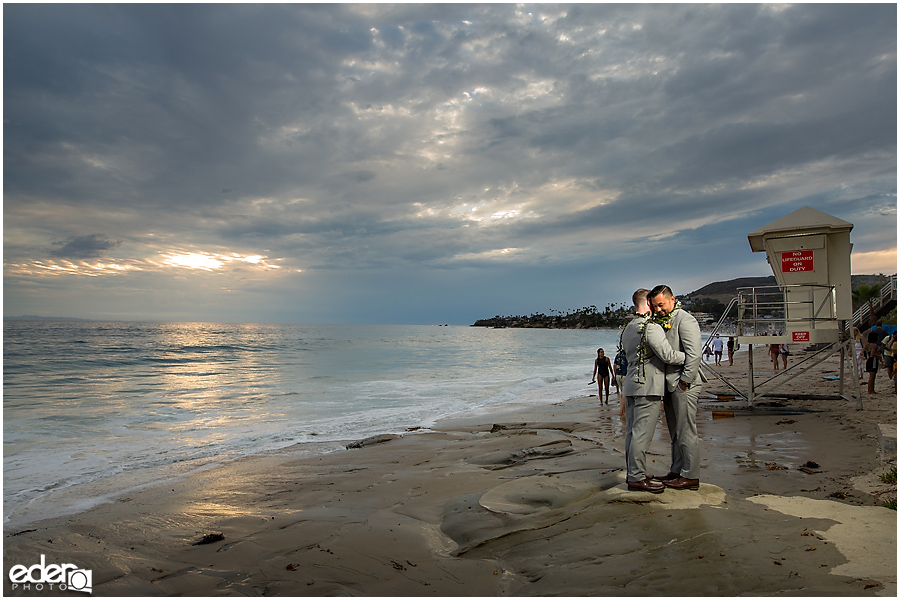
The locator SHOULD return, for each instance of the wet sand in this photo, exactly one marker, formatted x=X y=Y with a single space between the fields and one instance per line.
x=519 y=503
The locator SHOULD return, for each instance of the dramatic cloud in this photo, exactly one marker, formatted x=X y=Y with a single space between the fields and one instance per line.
x=86 y=246
x=428 y=163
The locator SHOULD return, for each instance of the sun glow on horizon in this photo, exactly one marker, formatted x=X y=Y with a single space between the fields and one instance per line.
x=194 y=260
x=210 y=262
x=204 y=261
x=875 y=261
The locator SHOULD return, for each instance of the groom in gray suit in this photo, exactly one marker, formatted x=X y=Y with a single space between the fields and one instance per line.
x=682 y=389
x=646 y=349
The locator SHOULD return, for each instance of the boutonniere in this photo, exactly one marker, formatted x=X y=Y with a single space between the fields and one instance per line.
x=666 y=321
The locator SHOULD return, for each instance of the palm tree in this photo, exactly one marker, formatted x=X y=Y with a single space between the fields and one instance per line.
x=866 y=294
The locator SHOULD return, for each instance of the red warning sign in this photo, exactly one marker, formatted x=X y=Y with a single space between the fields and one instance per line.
x=800 y=336
x=797 y=261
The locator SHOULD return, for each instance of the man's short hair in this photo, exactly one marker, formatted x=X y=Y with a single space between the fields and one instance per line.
x=639 y=296
x=661 y=289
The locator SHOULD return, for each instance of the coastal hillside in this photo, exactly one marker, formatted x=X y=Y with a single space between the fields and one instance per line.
x=711 y=300
x=583 y=318
x=724 y=291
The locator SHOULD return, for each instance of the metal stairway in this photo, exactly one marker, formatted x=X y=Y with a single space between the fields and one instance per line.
x=863 y=318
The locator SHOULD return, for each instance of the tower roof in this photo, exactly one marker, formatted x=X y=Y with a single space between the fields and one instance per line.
x=803 y=221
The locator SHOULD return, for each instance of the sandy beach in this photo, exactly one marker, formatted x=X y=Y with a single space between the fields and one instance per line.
x=518 y=503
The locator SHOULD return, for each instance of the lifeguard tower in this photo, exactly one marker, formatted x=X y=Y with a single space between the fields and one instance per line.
x=809 y=252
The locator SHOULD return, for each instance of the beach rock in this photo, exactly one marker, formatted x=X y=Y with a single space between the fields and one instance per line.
x=865 y=535
x=707 y=495
x=22 y=532
x=532 y=494
x=809 y=467
x=371 y=441
x=209 y=538
x=566 y=427
x=887 y=440
x=588 y=504
x=503 y=460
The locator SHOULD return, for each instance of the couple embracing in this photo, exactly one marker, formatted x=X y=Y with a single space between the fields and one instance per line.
x=662 y=344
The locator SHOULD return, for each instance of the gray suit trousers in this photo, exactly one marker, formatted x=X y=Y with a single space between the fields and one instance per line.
x=641 y=414
x=681 y=419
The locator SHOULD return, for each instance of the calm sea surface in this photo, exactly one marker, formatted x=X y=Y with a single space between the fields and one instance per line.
x=94 y=409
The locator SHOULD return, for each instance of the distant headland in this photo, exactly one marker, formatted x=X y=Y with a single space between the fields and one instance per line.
x=712 y=299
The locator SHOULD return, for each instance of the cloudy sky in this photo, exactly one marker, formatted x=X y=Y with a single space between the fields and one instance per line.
x=428 y=163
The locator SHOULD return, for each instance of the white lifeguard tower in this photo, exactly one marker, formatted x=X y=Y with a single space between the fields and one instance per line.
x=809 y=252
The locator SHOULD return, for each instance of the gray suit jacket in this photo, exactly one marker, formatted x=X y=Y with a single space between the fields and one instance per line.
x=651 y=379
x=684 y=336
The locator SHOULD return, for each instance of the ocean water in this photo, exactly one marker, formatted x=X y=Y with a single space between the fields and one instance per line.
x=92 y=410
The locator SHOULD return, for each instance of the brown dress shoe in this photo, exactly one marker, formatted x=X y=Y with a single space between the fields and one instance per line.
x=646 y=485
x=683 y=483
x=667 y=477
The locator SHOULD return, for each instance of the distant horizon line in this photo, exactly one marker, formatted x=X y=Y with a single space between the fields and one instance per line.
x=150 y=320
x=439 y=324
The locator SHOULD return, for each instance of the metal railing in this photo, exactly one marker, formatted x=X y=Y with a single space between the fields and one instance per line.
x=779 y=307
x=770 y=307
x=767 y=309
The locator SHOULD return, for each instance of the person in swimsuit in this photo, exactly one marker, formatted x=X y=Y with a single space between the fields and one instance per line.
x=602 y=369
x=774 y=351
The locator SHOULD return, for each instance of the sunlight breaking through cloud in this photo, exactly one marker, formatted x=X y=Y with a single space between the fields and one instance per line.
x=210 y=262
x=194 y=261
x=186 y=260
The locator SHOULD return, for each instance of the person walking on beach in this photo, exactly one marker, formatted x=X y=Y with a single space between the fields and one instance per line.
x=878 y=333
x=602 y=371
x=774 y=350
x=890 y=344
x=730 y=347
x=872 y=370
x=646 y=349
x=683 y=385
x=784 y=352
x=859 y=347
x=619 y=378
x=613 y=380
x=874 y=359
x=717 y=350
x=889 y=349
